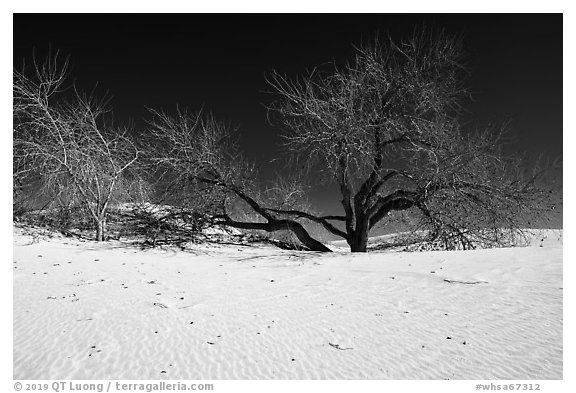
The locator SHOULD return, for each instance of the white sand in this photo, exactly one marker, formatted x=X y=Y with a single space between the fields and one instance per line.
x=84 y=310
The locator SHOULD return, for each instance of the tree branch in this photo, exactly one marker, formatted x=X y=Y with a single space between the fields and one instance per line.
x=398 y=200
x=323 y=220
x=278 y=225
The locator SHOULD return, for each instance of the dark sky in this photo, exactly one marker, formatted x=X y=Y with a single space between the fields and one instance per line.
x=218 y=61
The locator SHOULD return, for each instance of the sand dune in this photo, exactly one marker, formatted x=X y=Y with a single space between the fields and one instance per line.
x=84 y=310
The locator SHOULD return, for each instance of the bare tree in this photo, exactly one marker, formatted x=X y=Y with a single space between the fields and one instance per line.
x=198 y=156
x=64 y=140
x=385 y=128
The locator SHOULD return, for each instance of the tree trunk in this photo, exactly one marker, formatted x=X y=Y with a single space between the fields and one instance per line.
x=359 y=241
x=100 y=228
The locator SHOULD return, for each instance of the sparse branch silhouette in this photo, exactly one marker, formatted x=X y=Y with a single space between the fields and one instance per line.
x=66 y=145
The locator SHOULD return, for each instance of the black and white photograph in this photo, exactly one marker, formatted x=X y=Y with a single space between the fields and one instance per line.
x=287 y=196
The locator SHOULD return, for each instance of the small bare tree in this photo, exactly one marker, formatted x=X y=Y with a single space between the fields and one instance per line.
x=385 y=128
x=198 y=156
x=63 y=141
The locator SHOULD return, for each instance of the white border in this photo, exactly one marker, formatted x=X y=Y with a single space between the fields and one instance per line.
x=420 y=6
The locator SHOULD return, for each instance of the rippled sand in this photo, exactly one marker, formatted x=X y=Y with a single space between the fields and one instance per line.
x=84 y=310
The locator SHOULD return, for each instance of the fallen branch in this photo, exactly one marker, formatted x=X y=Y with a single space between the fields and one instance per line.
x=465 y=282
x=337 y=346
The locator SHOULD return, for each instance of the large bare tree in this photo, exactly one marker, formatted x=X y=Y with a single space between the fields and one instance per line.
x=64 y=143
x=386 y=129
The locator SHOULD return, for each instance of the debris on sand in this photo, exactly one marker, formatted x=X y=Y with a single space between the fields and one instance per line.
x=465 y=282
x=337 y=346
